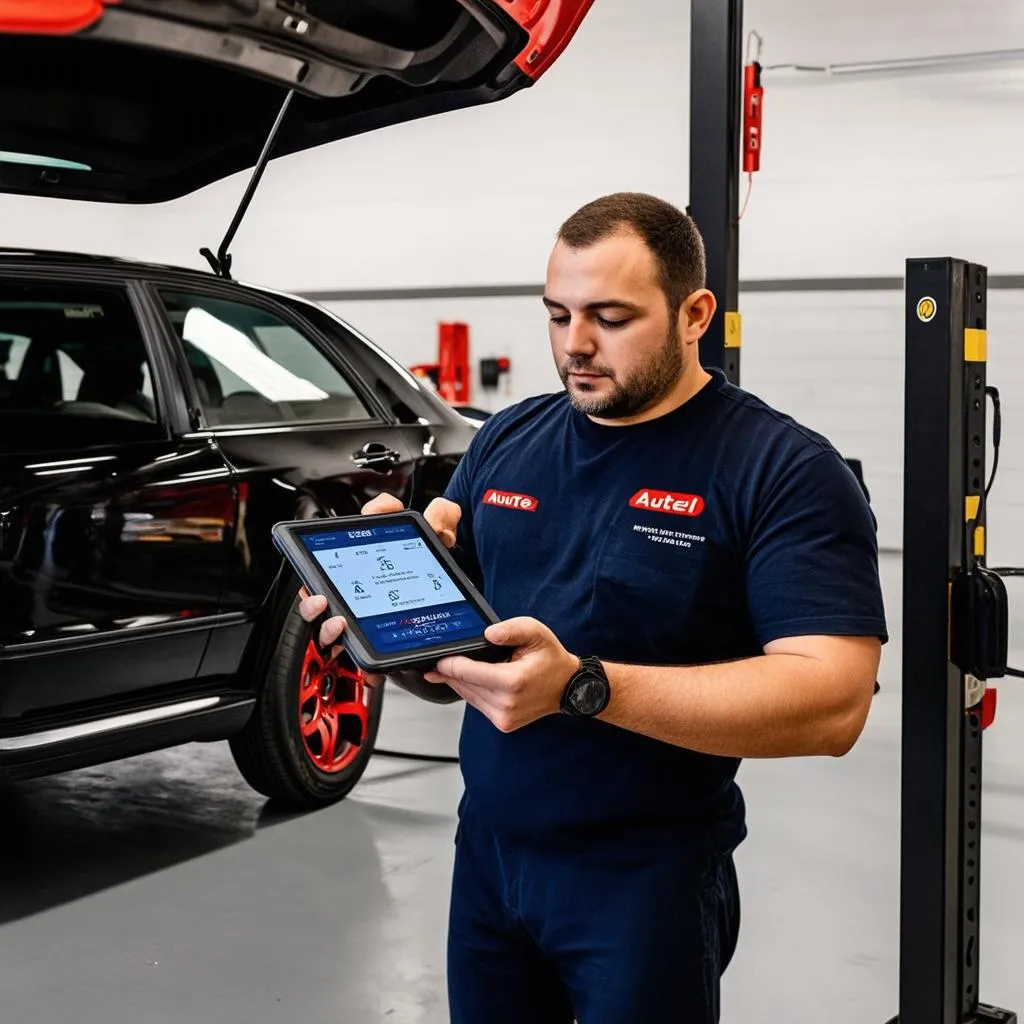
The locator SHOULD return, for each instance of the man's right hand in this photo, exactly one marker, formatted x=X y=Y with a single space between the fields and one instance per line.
x=442 y=516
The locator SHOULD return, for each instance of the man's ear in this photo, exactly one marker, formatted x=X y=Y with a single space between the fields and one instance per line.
x=696 y=314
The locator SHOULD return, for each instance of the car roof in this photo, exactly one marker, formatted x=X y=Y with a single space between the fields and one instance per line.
x=58 y=257
x=34 y=259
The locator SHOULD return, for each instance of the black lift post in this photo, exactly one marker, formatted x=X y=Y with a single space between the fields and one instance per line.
x=716 y=118
x=943 y=538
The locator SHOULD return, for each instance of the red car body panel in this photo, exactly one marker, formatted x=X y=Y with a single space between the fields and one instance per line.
x=49 y=17
x=551 y=24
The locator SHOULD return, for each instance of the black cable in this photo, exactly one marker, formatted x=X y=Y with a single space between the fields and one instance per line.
x=997 y=433
x=402 y=755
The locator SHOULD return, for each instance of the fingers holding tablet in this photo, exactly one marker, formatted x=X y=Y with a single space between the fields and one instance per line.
x=444 y=516
x=381 y=505
x=311 y=608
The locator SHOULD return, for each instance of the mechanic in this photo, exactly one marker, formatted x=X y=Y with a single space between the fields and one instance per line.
x=719 y=562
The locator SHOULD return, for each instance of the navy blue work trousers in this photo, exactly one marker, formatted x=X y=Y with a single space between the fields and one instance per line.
x=612 y=931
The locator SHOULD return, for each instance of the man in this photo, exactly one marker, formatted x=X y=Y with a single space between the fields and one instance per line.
x=711 y=567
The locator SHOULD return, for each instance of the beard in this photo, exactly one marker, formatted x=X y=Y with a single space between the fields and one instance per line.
x=634 y=394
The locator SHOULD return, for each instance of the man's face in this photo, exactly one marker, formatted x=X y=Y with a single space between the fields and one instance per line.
x=617 y=349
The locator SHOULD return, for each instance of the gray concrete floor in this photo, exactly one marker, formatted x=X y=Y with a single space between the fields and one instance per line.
x=161 y=890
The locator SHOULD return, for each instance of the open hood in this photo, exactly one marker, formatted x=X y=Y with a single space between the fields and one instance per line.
x=139 y=101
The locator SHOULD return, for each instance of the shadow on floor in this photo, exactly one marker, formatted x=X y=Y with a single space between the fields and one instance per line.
x=71 y=835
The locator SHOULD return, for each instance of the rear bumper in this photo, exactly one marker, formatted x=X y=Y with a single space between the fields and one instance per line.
x=58 y=747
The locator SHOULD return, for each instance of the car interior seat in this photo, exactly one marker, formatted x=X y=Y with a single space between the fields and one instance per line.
x=38 y=385
x=117 y=383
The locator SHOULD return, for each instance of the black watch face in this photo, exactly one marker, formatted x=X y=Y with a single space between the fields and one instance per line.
x=588 y=694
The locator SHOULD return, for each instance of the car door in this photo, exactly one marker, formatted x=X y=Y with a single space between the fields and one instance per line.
x=301 y=431
x=114 y=527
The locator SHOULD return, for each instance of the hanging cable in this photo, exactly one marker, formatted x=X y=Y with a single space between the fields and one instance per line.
x=997 y=430
x=997 y=433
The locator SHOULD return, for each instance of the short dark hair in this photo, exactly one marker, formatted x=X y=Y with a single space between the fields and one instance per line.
x=669 y=233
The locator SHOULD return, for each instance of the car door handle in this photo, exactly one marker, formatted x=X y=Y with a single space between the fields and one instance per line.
x=376 y=456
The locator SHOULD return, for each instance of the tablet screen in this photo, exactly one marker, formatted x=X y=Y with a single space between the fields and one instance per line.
x=402 y=595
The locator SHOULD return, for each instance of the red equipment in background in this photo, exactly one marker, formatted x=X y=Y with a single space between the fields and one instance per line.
x=753 y=109
x=452 y=374
x=753 y=112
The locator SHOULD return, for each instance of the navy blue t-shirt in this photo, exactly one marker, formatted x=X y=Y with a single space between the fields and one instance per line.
x=696 y=537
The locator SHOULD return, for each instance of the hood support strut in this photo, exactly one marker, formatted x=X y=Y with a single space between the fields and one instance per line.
x=221 y=263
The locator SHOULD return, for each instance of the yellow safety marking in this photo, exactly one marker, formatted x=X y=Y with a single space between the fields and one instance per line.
x=971 y=510
x=975 y=345
x=979 y=541
x=733 y=330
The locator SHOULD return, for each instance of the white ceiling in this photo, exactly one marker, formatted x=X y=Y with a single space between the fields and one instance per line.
x=837 y=31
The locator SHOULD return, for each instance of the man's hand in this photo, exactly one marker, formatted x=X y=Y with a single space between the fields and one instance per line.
x=443 y=517
x=527 y=687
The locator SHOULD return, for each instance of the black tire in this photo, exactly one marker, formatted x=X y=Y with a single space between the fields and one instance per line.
x=270 y=751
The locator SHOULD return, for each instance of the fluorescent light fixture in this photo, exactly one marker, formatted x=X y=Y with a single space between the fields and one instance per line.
x=234 y=350
x=32 y=160
x=941 y=61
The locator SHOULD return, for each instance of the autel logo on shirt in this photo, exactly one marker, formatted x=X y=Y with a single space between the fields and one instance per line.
x=667 y=501
x=505 y=499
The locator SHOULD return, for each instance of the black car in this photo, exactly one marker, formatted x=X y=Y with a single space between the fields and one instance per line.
x=154 y=425
x=156 y=422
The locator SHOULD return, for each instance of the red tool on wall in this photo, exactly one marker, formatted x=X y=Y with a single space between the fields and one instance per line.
x=452 y=373
x=453 y=376
x=753 y=110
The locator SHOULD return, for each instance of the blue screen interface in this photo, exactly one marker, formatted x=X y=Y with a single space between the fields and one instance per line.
x=402 y=595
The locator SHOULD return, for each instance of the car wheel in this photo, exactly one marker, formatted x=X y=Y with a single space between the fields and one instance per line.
x=315 y=723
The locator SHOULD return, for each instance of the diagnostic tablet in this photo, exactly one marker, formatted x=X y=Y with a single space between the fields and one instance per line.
x=405 y=601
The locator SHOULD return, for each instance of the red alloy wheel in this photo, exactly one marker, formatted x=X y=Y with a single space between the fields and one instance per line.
x=334 y=710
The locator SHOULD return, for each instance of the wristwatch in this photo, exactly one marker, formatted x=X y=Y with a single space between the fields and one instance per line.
x=588 y=691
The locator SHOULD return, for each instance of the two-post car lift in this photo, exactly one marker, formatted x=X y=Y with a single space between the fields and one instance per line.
x=954 y=613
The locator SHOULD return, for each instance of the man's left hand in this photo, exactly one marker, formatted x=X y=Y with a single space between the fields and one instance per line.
x=517 y=692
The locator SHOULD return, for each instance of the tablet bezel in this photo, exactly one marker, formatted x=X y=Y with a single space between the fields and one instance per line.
x=288 y=539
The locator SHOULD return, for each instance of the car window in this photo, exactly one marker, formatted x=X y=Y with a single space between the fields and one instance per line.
x=409 y=398
x=73 y=351
x=251 y=366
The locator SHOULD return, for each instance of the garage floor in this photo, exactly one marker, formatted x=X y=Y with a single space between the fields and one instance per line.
x=159 y=890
